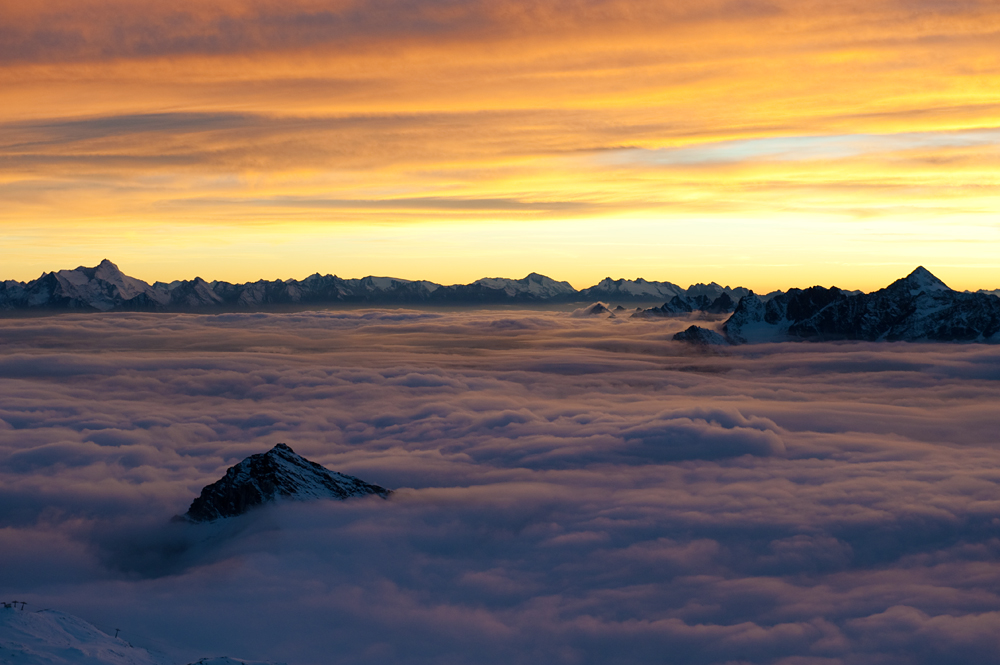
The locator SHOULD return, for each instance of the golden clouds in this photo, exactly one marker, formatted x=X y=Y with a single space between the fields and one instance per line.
x=302 y=115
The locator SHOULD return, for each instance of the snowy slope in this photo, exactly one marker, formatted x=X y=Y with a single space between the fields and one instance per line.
x=49 y=637
x=534 y=286
x=54 y=638
x=629 y=290
x=279 y=473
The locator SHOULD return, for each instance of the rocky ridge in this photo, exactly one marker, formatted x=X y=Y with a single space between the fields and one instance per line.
x=918 y=307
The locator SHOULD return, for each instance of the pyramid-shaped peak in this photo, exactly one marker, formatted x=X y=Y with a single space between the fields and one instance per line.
x=923 y=280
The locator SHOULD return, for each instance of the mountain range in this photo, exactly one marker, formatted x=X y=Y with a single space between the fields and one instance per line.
x=918 y=307
x=105 y=288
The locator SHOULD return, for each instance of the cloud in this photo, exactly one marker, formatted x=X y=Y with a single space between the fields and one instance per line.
x=567 y=489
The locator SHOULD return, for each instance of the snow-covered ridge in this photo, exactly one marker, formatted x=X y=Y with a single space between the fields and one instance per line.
x=534 y=285
x=918 y=307
x=54 y=638
x=105 y=288
x=277 y=474
x=48 y=637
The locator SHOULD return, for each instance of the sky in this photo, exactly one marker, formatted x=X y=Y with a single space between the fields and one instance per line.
x=768 y=143
x=567 y=490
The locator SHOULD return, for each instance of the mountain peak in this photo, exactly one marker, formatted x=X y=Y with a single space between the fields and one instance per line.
x=280 y=473
x=921 y=279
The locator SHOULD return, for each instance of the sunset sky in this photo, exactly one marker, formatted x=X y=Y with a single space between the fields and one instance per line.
x=769 y=143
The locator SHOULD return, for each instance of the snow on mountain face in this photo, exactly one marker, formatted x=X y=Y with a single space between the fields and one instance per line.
x=921 y=281
x=747 y=322
x=919 y=307
x=101 y=288
x=54 y=638
x=277 y=474
x=534 y=285
x=627 y=289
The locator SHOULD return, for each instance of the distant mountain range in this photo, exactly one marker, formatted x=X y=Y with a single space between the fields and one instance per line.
x=918 y=307
x=105 y=288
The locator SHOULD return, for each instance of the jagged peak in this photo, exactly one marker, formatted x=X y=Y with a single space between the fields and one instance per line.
x=279 y=473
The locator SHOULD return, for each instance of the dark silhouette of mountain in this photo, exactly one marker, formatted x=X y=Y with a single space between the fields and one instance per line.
x=701 y=336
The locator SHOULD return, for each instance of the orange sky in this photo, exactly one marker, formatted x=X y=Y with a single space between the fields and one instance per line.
x=770 y=144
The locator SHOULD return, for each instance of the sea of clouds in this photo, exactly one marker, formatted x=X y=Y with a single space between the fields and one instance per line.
x=567 y=490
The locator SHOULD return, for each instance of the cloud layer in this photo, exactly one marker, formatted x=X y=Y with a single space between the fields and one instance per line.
x=568 y=490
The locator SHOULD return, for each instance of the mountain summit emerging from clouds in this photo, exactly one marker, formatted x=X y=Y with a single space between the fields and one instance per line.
x=280 y=473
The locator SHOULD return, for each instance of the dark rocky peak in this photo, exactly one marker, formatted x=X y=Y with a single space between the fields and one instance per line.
x=721 y=305
x=677 y=305
x=597 y=309
x=701 y=337
x=277 y=474
x=800 y=304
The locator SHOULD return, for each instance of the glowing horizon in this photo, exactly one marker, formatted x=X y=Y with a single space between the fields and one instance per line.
x=769 y=145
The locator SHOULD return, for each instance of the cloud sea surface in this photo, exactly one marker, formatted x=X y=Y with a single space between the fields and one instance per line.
x=567 y=490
